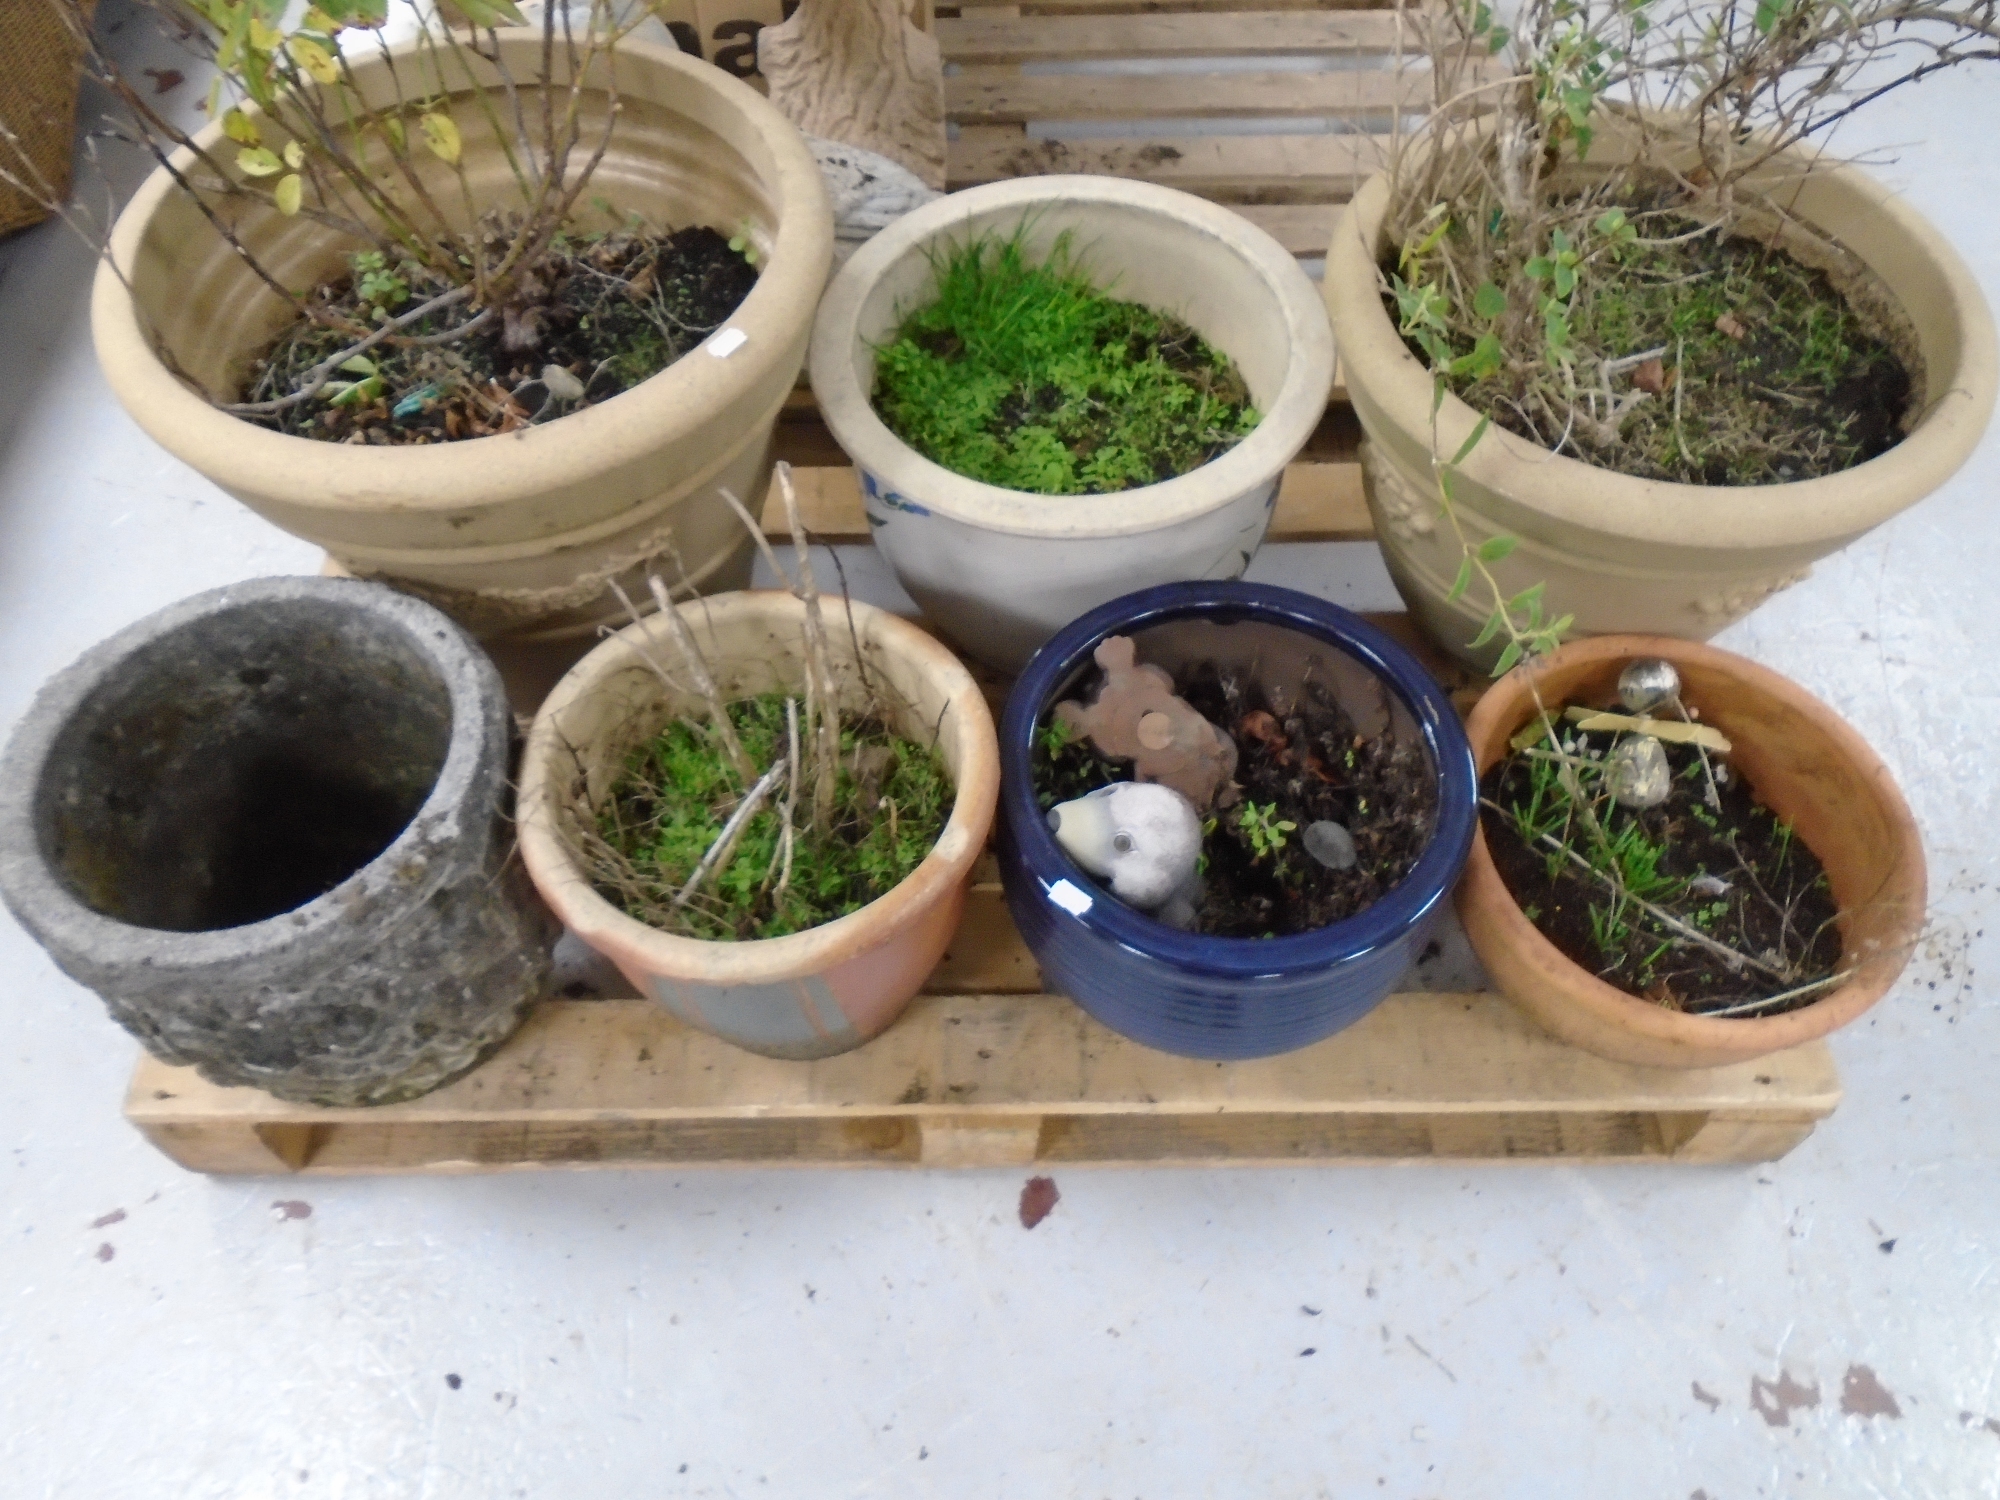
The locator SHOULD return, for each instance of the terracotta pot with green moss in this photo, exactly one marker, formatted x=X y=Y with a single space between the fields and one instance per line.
x=998 y=569
x=1647 y=555
x=813 y=990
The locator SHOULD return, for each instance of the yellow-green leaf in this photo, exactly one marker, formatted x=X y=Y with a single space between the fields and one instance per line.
x=392 y=127
x=492 y=12
x=241 y=129
x=255 y=161
x=314 y=58
x=264 y=38
x=317 y=20
x=289 y=191
x=441 y=135
x=295 y=155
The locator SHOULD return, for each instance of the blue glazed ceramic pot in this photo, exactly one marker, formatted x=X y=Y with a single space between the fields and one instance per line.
x=1217 y=997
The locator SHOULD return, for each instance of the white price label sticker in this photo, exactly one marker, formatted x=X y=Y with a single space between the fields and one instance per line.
x=727 y=342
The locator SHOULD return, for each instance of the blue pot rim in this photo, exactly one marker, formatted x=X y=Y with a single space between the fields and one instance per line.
x=1391 y=917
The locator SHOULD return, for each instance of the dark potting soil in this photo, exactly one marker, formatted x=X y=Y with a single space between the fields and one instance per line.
x=1769 y=374
x=1300 y=768
x=1777 y=905
x=611 y=309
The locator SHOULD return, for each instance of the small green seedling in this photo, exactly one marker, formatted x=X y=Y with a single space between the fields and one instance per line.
x=1265 y=830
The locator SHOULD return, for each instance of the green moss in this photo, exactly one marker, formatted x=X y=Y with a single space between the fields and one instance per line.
x=675 y=795
x=1031 y=378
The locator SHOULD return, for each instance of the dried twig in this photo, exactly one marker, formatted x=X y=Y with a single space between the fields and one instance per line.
x=1730 y=956
x=719 y=852
x=316 y=378
x=819 y=662
x=704 y=684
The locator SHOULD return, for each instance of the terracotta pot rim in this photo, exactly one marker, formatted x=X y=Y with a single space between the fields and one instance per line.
x=1282 y=431
x=436 y=477
x=1660 y=512
x=1494 y=718
x=796 y=955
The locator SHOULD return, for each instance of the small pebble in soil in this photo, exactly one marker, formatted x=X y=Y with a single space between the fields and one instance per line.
x=562 y=385
x=1637 y=772
x=1647 y=682
x=1330 y=844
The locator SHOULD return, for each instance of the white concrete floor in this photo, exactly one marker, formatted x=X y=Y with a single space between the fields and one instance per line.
x=1419 y=1331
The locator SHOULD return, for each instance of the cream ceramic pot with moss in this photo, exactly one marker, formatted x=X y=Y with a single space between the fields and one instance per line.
x=517 y=533
x=809 y=994
x=1000 y=571
x=1644 y=555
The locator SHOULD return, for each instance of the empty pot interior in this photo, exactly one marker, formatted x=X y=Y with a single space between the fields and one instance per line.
x=242 y=765
x=1133 y=253
x=1282 y=660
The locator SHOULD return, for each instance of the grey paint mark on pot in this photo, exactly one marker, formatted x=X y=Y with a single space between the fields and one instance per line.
x=105 y=1221
x=1713 y=1403
x=291 y=1208
x=106 y=1251
x=1973 y=1419
x=1776 y=1400
x=1862 y=1395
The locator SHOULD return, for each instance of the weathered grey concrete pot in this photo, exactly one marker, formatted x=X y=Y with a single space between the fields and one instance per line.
x=268 y=825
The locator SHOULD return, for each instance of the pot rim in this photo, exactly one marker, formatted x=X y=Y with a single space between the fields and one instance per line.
x=436 y=477
x=43 y=900
x=1282 y=431
x=799 y=954
x=1659 y=512
x=1497 y=715
x=1406 y=904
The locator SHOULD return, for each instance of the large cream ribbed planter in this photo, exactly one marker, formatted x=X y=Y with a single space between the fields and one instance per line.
x=1000 y=571
x=1643 y=555
x=518 y=533
x=809 y=994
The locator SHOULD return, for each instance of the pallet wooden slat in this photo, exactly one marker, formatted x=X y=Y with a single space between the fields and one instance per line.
x=1246 y=33
x=988 y=96
x=1318 y=168
x=1008 y=1080
x=1317 y=502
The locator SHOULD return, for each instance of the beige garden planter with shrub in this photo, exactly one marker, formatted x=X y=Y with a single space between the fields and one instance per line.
x=517 y=533
x=809 y=994
x=999 y=571
x=1645 y=555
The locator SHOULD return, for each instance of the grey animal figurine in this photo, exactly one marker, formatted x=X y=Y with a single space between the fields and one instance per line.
x=1140 y=838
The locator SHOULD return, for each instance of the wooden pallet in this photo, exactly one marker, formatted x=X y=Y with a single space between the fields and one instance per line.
x=986 y=1070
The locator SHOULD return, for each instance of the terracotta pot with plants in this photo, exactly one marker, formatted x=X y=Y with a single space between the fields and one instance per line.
x=1702 y=864
x=1709 y=353
x=764 y=809
x=1059 y=389
x=493 y=315
x=1231 y=814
